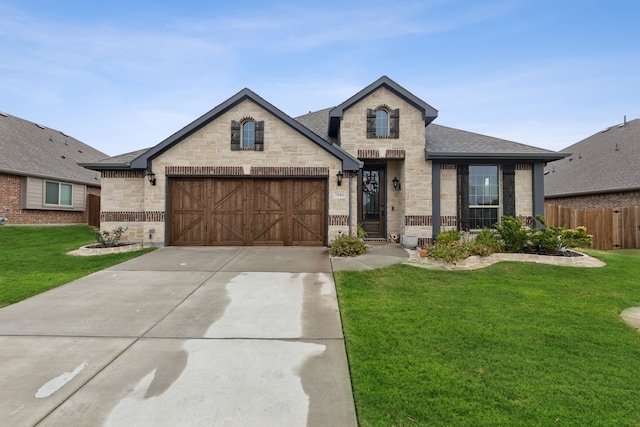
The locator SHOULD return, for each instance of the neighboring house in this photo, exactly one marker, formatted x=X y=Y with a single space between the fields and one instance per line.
x=598 y=186
x=601 y=171
x=245 y=173
x=40 y=179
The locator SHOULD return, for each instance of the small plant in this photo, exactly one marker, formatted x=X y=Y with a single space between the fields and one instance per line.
x=513 y=233
x=347 y=245
x=553 y=240
x=577 y=238
x=107 y=239
x=490 y=239
x=360 y=231
x=448 y=236
x=450 y=252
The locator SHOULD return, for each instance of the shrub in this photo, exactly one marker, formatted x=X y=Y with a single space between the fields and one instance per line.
x=360 y=231
x=347 y=245
x=513 y=234
x=490 y=239
x=577 y=238
x=448 y=236
x=450 y=252
x=553 y=240
x=107 y=239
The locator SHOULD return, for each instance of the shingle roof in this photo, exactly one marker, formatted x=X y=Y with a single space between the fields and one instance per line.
x=448 y=143
x=143 y=161
x=607 y=161
x=318 y=123
x=30 y=149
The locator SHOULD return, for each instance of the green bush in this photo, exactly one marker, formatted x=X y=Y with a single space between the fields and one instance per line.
x=577 y=238
x=490 y=239
x=514 y=235
x=347 y=245
x=450 y=252
x=552 y=240
x=448 y=236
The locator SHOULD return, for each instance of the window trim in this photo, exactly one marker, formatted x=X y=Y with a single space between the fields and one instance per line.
x=382 y=131
x=237 y=137
x=498 y=208
x=252 y=140
x=59 y=198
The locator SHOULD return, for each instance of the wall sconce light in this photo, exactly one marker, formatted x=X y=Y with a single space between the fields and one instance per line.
x=151 y=177
x=396 y=183
x=339 y=175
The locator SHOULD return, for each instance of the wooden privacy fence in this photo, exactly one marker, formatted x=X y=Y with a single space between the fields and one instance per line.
x=612 y=228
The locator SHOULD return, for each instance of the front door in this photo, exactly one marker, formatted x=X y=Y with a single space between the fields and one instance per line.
x=371 y=214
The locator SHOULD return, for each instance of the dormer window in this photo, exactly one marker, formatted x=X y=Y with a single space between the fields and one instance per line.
x=383 y=122
x=247 y=134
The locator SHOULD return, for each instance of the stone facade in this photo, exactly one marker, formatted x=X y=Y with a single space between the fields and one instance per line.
x=289 y=151
x=11 y=207
x=413 y=172
x=209 y=147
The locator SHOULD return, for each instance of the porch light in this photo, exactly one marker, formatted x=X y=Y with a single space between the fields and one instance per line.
x=151 y=177
x=339 y=175
x=396 y=183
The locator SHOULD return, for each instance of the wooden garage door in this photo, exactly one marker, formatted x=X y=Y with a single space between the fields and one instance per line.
x=239 y=211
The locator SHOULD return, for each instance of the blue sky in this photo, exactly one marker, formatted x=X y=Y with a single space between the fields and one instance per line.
x=124 y=75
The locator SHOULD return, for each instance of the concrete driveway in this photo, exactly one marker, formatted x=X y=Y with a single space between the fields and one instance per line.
x=182 y=337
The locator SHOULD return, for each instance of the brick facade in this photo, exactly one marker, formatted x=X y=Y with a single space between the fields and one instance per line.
x=626 y=199
x=10 y=189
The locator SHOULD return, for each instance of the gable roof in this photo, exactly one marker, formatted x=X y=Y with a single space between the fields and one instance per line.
x=30 y=149
x=143 y=161
x=605 y=162
x=335 y=115
x=445 y=143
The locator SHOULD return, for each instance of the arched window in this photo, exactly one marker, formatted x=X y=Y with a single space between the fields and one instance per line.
x=382 y=123
x=249 y=134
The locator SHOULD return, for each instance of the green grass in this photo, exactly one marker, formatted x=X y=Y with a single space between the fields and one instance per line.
x=511 y=345
x=34 y=259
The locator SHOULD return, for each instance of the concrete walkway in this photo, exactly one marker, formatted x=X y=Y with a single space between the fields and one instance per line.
x=182 y=337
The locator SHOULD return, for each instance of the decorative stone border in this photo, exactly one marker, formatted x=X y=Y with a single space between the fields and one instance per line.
x=88 y=251
x=476 y=262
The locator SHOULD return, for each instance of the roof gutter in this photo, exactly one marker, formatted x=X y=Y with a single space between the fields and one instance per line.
x=547 y=157
x=50 y=177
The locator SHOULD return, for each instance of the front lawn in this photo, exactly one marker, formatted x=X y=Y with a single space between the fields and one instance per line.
x=514 y=344
x=34 y=259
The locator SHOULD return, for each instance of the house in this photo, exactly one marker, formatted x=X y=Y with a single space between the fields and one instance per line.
x=246 y=173
x=598 y=186
x=40 y=179
x=601 y=171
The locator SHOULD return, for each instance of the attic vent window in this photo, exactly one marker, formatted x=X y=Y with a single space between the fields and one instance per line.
x=40 y=126
x=3 y=114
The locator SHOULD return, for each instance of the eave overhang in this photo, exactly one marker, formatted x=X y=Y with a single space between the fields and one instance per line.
x=462 y=156
x=429 y=113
